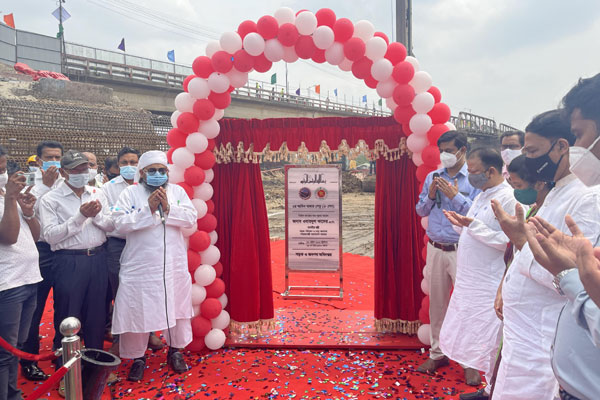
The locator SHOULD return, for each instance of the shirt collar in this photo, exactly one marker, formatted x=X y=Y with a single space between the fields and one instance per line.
x=66 y=190
x=462 y=170
x=564 y=181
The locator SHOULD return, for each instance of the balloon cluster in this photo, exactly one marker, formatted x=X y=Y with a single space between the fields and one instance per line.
x=425 y=328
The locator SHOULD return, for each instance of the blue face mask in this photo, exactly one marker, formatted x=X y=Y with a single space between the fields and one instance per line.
x=157 y=179
x=48 y=164
x=128 y=171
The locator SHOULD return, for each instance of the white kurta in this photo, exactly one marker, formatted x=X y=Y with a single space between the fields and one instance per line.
x=470 y=334
x=532 y=304
x=140 y=301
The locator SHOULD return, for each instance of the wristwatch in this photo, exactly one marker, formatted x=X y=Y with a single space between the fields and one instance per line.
x=557 y=279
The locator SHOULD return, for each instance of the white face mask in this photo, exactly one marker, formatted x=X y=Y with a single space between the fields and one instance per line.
x=3 y=180
x=448 y=160
x=78 y=180
x=584 y=164
x=93 y=173
x=509 y=154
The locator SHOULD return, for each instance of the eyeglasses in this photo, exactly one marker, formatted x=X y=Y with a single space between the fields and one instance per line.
x=153 y=171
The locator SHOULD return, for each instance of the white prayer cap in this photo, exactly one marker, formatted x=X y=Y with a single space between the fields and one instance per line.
x=152 y=157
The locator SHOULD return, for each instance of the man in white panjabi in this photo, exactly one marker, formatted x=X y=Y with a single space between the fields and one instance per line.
x=140 y=305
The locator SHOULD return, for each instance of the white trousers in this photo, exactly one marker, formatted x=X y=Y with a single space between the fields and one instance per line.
x=134 y=344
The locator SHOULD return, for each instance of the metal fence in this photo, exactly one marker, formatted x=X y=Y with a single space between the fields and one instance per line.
x=38 y=51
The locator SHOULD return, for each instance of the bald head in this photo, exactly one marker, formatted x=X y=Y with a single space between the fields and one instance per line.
x=92 y=159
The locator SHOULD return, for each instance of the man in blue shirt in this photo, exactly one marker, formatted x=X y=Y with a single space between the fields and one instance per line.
x=448 y=189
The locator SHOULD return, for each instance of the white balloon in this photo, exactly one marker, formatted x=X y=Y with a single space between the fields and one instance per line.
x=218 y=114
x=423 y=334
x=450 y=126
x=183 y=158
x=390 y=103
x=204 y=275
x=210 y=128
x=426 y=271
x=425 y=287
x=335 y=53
x=323 y=37
x=346 y=65
x=213 y=237
x=184 y=102
x=382 y=69
x=198 y=88
x=204 y=191
x=363 y=29
x=209 y=175
x=215 y=339
x=289 y=54
x=175 y=173
x=285 y=15
x=212 y=47
x=413 y=61
x=386 y=88
x=221 y=321
x=196 y=310
x=424 y=222
x=421 y=82
x=237 y=79
x=273 y=50
x=223 y=300
x=174 y=117
x=211 y=256
x=417 y=159
x=423 y=102
x=198 y=292
x=218 y=82
x=254 y=44
x=416 y=143
x=231 y=42
x=187 y=232
x=200 y=206
x=306 y=22
x=375 y=48
x=196 y=143
x=420 y=123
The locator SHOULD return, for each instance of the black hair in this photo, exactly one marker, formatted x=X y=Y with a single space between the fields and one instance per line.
x=551 y=125
x=518 y=166
x=3 y=151
x=460 y=139
x=49 y=144
x=127 y=150
x=520 y=134
x=12 y=167
x=110 y=162
x=489 y=157
x=585 y=96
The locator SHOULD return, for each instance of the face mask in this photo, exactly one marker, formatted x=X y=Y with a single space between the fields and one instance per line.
x=93 y=173
x=156 y=179
x=585 y=165
x=48 y=164
x=543 y=168
x=509 y=154
x=128 y=172
x=111 y=176
x=3 y=180
x=33 y=169
x=526 y=196
x=448 y=160
x=78 y=180
x=478 y=181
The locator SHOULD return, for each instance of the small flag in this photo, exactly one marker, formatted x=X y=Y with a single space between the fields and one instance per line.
x=273 y=79
x=65 y=14
x=171 y=55
x=318 y=89
x=379 y=102
x=9 y=20
x=122 y=45
x=364 y=99
x=298 y=92
x=335 y=92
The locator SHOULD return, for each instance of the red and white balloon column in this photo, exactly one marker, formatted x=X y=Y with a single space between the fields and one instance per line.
x=255 y=46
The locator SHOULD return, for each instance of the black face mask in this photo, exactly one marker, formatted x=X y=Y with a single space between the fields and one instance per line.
x=542 y=167
x=111 y=176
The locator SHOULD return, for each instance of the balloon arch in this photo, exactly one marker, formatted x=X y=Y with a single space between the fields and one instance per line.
x=286 y=36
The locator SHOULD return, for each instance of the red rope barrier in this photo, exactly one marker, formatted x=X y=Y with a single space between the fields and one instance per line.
x=47 y=385
x=25 y=356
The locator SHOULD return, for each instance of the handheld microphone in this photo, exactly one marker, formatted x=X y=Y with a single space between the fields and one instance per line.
x=438 y=196
x=161 y=213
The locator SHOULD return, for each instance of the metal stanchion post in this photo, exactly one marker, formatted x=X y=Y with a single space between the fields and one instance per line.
x=71 y=345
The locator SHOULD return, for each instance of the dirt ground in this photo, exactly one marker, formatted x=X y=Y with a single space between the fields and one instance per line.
x=358 y=211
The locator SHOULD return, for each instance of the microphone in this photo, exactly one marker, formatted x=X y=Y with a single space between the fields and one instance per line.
x=438 y=196
x=161 y=213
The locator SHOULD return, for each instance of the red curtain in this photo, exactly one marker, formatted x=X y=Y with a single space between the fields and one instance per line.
x=398 y=246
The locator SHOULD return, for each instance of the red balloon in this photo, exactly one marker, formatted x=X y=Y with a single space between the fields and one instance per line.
x=371 y=82
x=170 y=155
x=403 y=95
x=194 y=260
x=187 y=122
x=435 y=132
x=210 y=205
x=288 y=34
x=210 y=308
x=319 y=56
x=396 y=53
x=205 y=160
x=176 y=138
x=221 y=61
x=383 y=36
x=193 y=176
x=196 y=345
x=186 y=81
x=424 y=315
x=424 y=253
x=422 y=171
x=200 y=326
x=403 y=72
x=440 y=113
x=199 y=241
x=246 y=27
x=425 y=303
x=215 y=289
x=406 y=130
x=403 y=114
x=431 y=156
x=242 y=61
x=435 y=92
x=208 y=223
x=425 y=239
x=188 y=189
x=204 y=109
x=354 y=49
x=343 y=29
x=262 y=64
x=218 y=269
x=211 y=144
x=325 y=16
x=300 y=11
x=267 y=27
x=220 y=100
x=202 y=67
x=362 y=68
x=305 y=47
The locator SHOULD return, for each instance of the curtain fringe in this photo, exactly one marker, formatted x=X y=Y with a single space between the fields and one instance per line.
x=254 y=328
x=397 y=326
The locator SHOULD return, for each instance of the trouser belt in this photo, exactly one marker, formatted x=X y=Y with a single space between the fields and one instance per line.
x=81 y=252
x=442 y=246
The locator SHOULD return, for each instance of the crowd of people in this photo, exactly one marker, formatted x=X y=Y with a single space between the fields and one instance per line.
x=514 y=278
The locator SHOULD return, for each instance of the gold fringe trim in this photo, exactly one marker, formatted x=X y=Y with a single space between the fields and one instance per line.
x=227 y=153
x=397 y=326
x=254 y=328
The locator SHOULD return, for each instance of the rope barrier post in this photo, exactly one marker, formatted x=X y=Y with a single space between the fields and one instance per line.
x=71 y=345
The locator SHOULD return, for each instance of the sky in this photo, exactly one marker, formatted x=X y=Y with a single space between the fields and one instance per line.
x=506 y=60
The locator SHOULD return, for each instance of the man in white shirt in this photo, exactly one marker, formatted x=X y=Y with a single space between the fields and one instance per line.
x=75 y=218
x=95 y=179
x=471 y=331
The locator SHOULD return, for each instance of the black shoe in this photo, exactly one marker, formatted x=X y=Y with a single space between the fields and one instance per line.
x=136 y=372
x=478 y=395
x=33 y=373
x=176 y=361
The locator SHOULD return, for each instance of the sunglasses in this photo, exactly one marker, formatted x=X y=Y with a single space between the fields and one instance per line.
x=153 y=171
